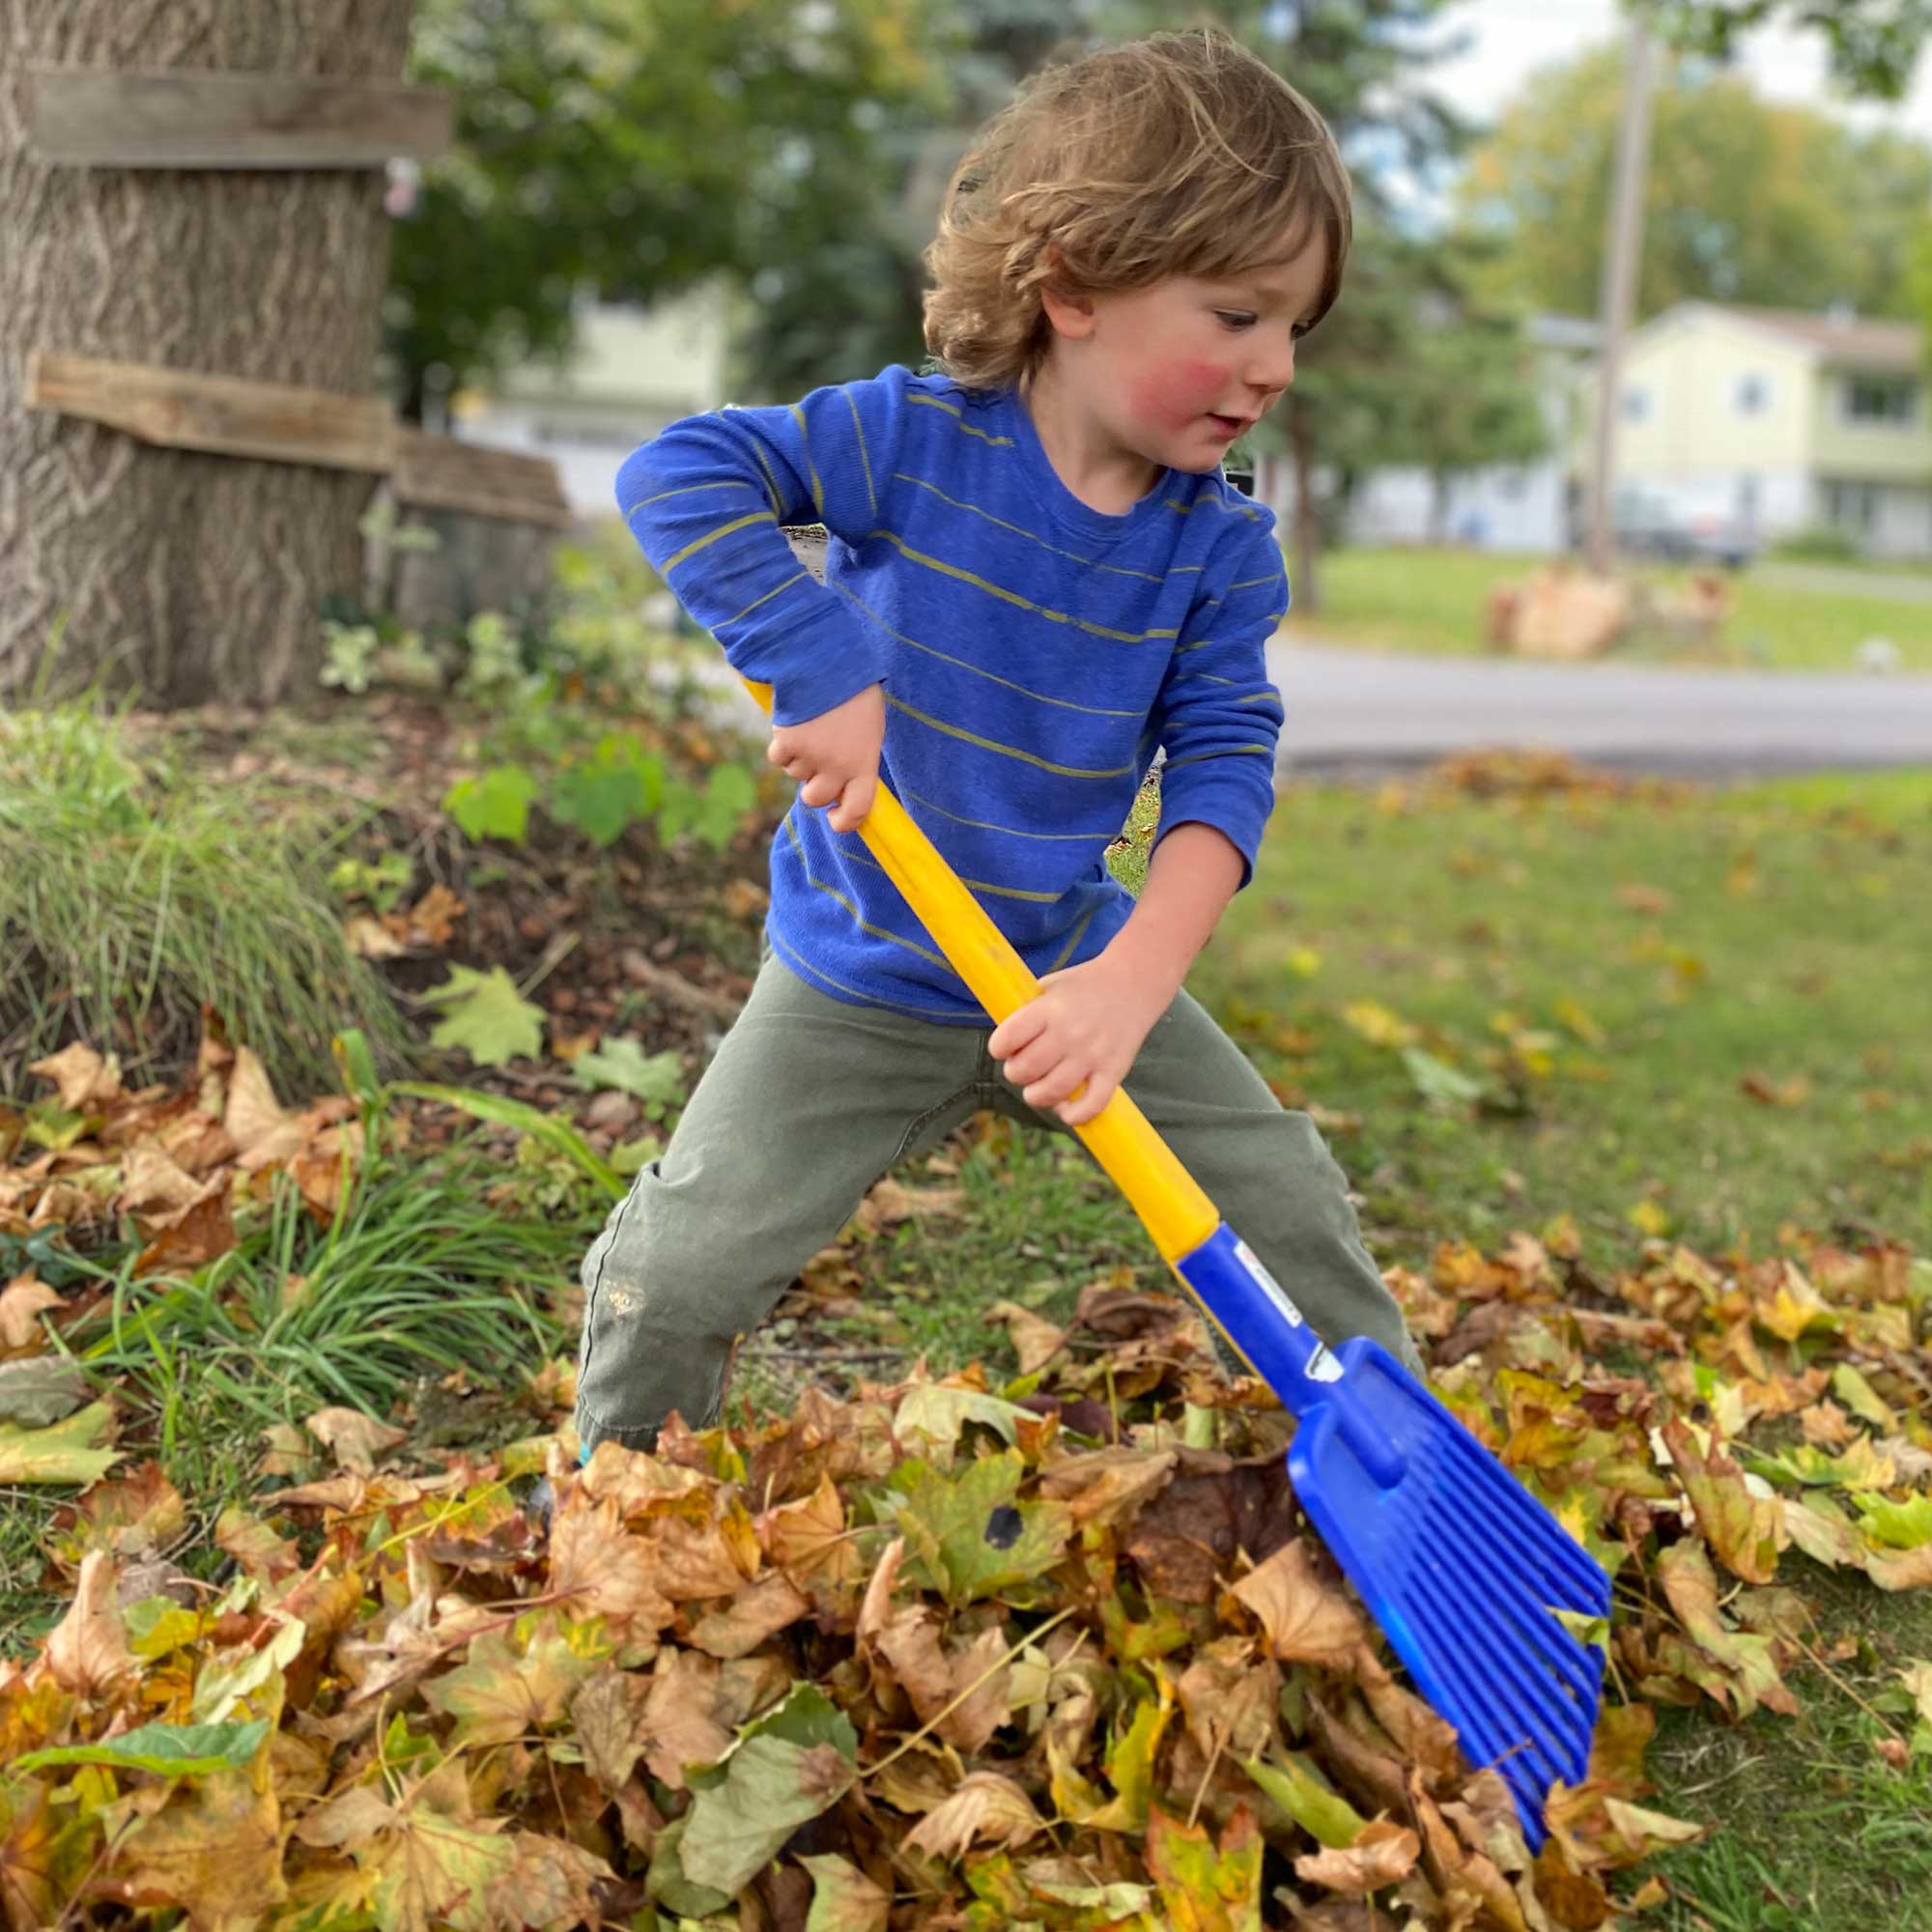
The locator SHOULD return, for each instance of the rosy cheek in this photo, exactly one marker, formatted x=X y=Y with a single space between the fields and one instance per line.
x=1175 y=394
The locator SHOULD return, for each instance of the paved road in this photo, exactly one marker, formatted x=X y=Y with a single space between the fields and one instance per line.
x=1352 y=709
x=1368 y=711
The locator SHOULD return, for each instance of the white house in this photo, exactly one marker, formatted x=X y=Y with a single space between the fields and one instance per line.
x=1782 y=420
x=634 y=372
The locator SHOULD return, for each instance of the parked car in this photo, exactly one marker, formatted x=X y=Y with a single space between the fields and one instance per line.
x=1648 y=524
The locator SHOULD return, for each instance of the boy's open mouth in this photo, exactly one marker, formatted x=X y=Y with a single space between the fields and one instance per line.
x=1229 y=425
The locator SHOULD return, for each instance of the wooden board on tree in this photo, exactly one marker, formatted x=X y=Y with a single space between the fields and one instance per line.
x=222 y=415
x=179 y=118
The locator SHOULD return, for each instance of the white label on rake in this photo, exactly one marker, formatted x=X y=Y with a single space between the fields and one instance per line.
x=1323 y=1367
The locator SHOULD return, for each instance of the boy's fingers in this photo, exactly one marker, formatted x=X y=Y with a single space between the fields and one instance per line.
x=1016 y=1031
x=1054 y=1086
x=820 y=788
x=1094 y=1095
x=850 y=811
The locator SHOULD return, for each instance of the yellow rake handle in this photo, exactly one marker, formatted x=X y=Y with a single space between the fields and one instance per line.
x=1172 y=1207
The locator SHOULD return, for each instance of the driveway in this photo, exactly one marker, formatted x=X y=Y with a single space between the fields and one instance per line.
x=1366 y=710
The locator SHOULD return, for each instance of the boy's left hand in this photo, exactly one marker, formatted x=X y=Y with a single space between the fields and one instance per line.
x=1085 y=1026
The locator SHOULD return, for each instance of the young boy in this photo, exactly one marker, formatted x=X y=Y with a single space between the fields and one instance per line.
x=1037 y=575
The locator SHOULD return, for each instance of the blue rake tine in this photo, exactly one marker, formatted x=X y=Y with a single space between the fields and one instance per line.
x=1459 y=1564
x=1532 y=1698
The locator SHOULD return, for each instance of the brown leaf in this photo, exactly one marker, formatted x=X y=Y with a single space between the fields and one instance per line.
x=358 y=1440
x=1105 y=1485
x=1383 y=1855
x=987 y=1808
x=1746 y=1531
x=1183 y=1540
x=82 y=1078
x=155 y=1188
x=215 y=1848
x=88 y=1652
x=759 y=1611
x=1305 y=1618
x=681 y=1725
x=1826 y=1425
x=254 y=1118
x=202 y=1233
x=137 y=1510
x=22 y=1302
x=602 y=1571
x=1036 y=1340
x=609 y=1711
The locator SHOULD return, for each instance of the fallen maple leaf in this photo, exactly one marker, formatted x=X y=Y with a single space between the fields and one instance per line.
x=1304 y=1618
x=987 y=1808
x=358 y=1440
x=1383 y=1855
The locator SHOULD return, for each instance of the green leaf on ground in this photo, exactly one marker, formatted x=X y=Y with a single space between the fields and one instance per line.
x=174 y=1750
x=771 y=1787
x=607 y=792
x=486 y=1016
x=1308 y=1798
x=68 y=1452
x=656 y=1079
x=970 y=1536
x=493 y=804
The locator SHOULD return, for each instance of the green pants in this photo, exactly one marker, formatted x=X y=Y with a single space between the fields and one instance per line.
x=809 y=1101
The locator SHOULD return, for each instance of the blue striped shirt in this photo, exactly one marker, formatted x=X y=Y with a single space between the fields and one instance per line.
x=1035 y=652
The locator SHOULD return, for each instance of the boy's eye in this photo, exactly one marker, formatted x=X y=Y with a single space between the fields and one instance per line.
x=1235 y=318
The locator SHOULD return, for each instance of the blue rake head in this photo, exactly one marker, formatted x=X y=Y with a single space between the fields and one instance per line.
x=1461 y=1566
x=1462 y=1569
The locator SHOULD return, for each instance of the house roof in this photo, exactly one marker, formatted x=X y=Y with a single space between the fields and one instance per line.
x=1848 y=340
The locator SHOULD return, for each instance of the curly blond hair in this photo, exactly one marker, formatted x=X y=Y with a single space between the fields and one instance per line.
x=1180 y=154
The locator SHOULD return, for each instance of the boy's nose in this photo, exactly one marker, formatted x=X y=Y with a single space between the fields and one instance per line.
x=1272 y=373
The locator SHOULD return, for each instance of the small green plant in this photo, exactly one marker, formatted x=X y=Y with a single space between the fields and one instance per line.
x=131 y=895
x=417 y=1274
x=350 y=655
x=601 y=793
x=495 y=666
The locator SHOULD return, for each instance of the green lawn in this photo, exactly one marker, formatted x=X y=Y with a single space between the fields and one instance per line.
x=1425 y=599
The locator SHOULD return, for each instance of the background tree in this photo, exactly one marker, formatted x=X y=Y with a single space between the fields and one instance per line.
x=630 y=148
x=183 y=576
x=1874 y=44
x=1747 y=201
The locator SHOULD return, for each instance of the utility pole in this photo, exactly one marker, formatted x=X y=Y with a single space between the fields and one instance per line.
x=1622 y=252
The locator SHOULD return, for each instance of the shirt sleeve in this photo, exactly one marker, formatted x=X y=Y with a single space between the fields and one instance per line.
x=1218 y=715
x=706 y=499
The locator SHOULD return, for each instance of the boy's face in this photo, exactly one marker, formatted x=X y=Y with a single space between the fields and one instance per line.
x=1175 y=372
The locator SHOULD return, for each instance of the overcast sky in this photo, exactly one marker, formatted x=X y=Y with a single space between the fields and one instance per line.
x=1512 y=38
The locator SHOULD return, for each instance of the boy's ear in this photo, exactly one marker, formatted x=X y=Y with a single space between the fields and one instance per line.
x=1068 y=308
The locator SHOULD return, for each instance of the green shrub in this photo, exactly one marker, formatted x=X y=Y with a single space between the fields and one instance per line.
x=1817 y=544
x=133 y=893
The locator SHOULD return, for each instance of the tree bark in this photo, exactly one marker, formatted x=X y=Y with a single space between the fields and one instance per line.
x=1306 y=588
x=179 y=576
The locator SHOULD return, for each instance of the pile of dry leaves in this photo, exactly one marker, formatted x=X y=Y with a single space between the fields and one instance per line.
x=1059 y=1653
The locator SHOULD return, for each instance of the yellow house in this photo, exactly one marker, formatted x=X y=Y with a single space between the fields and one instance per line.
x=1782 y=421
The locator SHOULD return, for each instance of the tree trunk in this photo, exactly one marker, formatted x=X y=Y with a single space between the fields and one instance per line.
x=181 y=576
x=1306 y=588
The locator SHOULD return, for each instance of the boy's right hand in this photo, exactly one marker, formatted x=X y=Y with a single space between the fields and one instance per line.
x=836 y=756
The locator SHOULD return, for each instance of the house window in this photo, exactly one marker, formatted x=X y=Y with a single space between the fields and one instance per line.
x=1880 y=399
x=1753 y=394
x=1851 y=506
x=1749 y=501
x=1637 y=404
